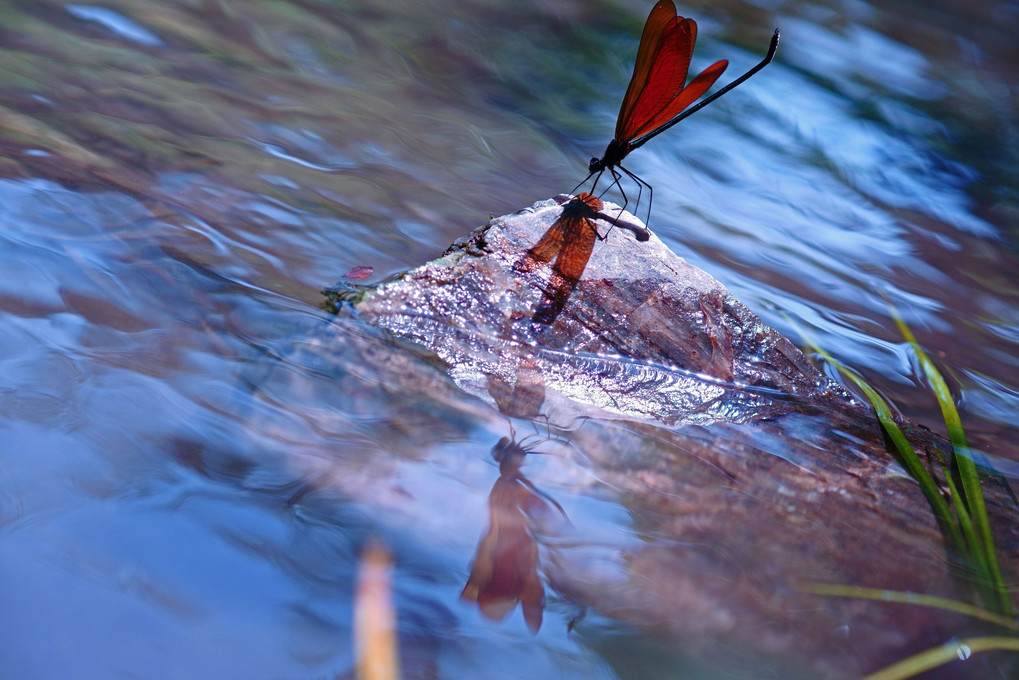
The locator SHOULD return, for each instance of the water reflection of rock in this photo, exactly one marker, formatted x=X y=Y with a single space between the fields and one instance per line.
x=505 y=568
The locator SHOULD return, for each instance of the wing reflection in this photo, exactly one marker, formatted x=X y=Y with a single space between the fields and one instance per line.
x=505 y=568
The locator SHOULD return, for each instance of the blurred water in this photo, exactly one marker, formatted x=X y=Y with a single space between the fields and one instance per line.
x=179 y=180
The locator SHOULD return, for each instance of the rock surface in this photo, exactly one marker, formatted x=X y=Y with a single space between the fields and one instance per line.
x=702 y=355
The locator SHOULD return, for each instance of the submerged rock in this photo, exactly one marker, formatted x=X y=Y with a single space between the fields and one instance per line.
x=745 y=472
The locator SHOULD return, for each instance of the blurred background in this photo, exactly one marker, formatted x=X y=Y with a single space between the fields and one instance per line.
x=179 y=179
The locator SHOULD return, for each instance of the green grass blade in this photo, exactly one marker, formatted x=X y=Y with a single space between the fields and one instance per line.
x=972 y=495
x=907 y=455
x=933 y=601
x=973 y=549
x=964 y=523
x=946 y=653
x=956 y=433
x=980 y=572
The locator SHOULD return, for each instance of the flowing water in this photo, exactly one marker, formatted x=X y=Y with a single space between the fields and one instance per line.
x=180 y=179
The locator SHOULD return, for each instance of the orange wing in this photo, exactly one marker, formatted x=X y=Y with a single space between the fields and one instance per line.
x=567 y=269
x=542 y=252
x=570 y=242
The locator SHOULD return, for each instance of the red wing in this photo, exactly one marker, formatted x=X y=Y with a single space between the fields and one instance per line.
x=551 y=242
x=572 y=260
x=663 y=14
x=592 y=202
x=567 y=269
x=686 y=96
x=542 y=252
x=579 y=236
x=668 y=70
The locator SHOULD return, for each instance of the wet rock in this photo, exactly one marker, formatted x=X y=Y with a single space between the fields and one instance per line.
x=643 y=333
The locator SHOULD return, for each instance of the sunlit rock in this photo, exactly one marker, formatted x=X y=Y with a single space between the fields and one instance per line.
x=643 y=334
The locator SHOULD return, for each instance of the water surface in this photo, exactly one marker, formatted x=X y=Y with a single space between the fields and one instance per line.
x=179 y=180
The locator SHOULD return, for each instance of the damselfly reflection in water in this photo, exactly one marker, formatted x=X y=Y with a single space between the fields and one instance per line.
x=505 y=568
x=658 y=95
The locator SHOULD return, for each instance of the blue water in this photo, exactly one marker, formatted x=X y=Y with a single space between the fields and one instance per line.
x=179 y=496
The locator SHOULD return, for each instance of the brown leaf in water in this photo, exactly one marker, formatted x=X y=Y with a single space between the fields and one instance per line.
x=361 y=272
